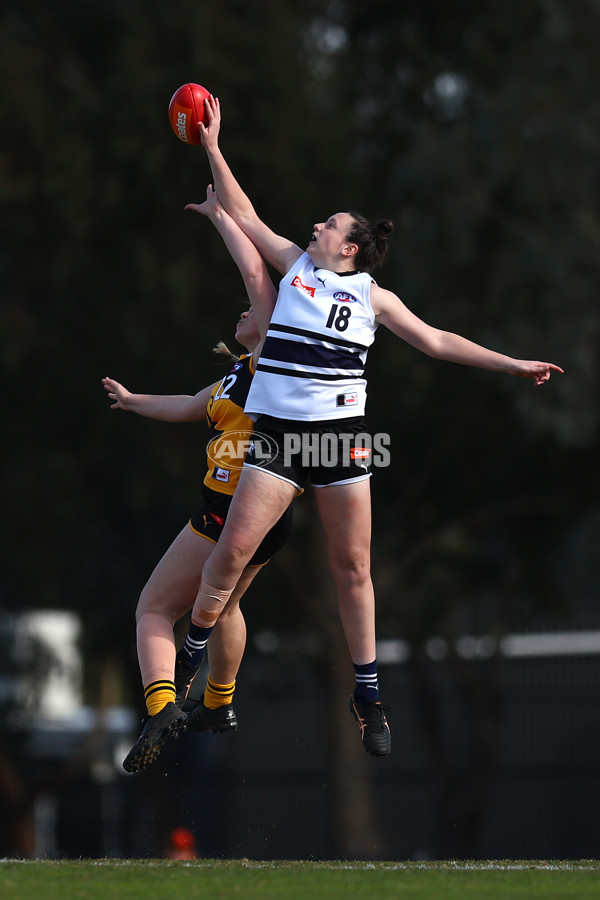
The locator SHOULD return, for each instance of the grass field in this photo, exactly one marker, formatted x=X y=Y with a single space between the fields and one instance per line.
x=254 y=880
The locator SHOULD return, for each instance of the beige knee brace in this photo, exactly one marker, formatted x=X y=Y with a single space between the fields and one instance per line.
x=209 y=605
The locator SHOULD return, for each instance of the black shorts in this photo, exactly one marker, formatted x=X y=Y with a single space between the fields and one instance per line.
x=209 y=518
x=327 y=453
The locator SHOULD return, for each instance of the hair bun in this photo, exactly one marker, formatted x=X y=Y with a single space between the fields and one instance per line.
x=386 y=226
x=371 y=240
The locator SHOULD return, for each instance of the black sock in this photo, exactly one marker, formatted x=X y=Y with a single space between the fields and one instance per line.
x=367 y=685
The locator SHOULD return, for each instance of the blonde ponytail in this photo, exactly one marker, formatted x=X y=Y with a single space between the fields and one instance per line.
x=222 y=348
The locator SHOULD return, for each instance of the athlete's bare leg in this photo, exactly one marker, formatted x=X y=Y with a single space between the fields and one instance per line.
x=228 y=639
x=167 y=596
x=345 y=512
x=259 y=502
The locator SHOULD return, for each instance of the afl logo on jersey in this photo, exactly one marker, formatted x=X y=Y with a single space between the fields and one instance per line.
x=237 y=367
x=342 y=297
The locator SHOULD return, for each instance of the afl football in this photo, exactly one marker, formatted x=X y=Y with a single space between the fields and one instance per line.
x=186 y=109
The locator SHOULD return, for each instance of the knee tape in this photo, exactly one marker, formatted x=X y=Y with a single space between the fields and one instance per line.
x=209 y=605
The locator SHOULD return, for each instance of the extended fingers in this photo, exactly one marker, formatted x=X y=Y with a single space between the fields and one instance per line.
x=211 y=105
x=544 y=372
x=213 y=115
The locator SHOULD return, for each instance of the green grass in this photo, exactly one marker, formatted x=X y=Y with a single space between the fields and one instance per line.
x=254 y=880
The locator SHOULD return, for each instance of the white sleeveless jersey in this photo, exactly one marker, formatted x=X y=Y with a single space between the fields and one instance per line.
x=312 y=362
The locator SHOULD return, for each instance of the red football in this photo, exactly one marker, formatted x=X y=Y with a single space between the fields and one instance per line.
x=186 y=109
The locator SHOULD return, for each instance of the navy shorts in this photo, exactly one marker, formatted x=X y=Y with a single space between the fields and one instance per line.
x=326 y=453
x=209 y=518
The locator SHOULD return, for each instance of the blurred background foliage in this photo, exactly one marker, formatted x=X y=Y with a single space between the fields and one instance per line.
x=474 y=126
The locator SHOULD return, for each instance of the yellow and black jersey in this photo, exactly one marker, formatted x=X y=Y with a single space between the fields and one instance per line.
x=230 y=428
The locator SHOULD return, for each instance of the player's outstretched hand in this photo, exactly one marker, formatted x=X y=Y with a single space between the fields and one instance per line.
x=539 y=372
x=117 y=393
x=209 y=132
x=211 y=207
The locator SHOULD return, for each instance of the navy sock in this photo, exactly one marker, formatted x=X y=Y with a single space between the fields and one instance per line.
x=367 y=685
x=194 y=645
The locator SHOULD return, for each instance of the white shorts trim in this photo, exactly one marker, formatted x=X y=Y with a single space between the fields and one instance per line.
x=273 y=475
x=345 y=481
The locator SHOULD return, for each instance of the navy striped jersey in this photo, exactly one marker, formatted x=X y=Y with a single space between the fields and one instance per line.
x=312 y=363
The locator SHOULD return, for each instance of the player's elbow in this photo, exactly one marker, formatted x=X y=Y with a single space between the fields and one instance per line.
x=255 y=273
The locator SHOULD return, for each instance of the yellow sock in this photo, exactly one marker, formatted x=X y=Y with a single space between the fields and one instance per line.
x=157 y=694
x=217 y=695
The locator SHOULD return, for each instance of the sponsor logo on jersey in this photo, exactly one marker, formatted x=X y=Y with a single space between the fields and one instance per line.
x=346 y=400
x=303 y=287
x=218 y=519
x=343 y=297
x=360 y=452
x=221 y=474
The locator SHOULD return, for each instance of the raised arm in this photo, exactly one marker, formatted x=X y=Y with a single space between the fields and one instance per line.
x=260 y=288
x=391 y=312
x=167 y=407
x=278 y=251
